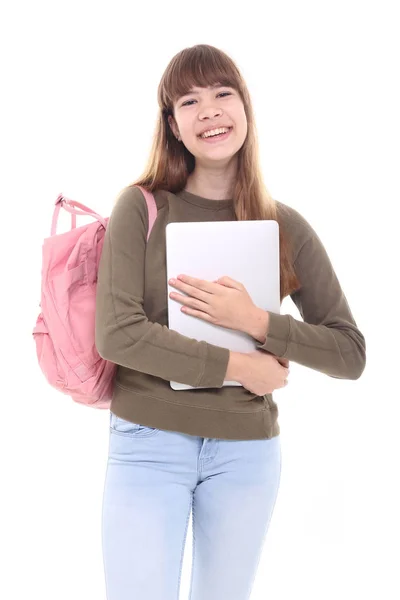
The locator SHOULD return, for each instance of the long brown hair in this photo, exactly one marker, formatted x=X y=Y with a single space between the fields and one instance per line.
x=170 y=163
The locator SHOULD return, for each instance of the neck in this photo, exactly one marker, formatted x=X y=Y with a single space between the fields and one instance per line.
x=216 y=183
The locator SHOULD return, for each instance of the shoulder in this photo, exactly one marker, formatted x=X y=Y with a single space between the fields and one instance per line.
x=131 y=201
x=128 y=199
x=129 y=196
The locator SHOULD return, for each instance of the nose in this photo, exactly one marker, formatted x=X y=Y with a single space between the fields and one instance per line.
x=210 y=112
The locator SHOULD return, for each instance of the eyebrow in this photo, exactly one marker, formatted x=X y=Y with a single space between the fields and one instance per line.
x=211 y=87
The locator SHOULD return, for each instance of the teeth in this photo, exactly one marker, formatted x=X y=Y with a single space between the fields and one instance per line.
x=214 y=132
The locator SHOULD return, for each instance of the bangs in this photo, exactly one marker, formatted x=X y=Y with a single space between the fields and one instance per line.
x=199 y=66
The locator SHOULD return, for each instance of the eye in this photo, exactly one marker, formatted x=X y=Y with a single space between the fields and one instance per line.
x=220 y=94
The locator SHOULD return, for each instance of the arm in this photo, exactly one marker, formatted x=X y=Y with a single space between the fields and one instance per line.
x=123 y=333
x=258 y=325
x=329 y=340
x=237 y=365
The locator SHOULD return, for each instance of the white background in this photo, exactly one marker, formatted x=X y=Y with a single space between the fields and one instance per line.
x=79 y=83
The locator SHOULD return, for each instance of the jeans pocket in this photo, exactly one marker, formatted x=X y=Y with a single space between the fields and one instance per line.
x=125 y=428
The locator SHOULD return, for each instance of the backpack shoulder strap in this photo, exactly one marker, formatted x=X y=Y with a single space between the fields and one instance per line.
x=151 y=207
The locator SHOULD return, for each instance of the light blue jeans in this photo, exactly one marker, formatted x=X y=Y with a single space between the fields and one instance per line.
x=154 y=479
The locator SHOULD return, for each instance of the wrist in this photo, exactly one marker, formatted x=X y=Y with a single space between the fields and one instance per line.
x=258 y=328
x=236 y=366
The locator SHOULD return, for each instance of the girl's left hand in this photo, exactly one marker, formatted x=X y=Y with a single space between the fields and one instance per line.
x=224 y=302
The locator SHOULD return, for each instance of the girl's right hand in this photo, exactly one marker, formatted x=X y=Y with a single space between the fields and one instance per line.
x=264 y=372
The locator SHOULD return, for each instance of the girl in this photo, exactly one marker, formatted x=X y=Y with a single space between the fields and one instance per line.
x=215 y=450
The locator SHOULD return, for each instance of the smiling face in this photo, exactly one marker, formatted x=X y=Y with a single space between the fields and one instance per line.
x=206 y=109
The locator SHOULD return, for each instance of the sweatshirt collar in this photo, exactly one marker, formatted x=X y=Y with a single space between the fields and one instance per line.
x=204 y=202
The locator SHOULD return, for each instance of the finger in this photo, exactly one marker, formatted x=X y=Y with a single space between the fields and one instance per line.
x=229 y=282
x=283 y=361
x=191 y=290
x=188 y=301
x=197 y=313
x=200 y=284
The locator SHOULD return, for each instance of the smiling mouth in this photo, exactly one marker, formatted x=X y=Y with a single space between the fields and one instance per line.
x=216 y=137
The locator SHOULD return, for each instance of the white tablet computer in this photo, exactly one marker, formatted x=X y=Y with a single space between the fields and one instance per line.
x=247 y=251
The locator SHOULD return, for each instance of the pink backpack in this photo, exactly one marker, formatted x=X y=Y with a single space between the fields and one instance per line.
x=65 y=329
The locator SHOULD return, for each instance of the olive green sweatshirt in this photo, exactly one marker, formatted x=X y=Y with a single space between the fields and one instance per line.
x=132 y=331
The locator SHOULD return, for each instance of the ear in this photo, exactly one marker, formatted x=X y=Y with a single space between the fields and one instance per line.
x=172 y=124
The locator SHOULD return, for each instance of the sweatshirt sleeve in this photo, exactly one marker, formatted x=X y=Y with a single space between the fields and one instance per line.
x=123 y=333
x=328 y=340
